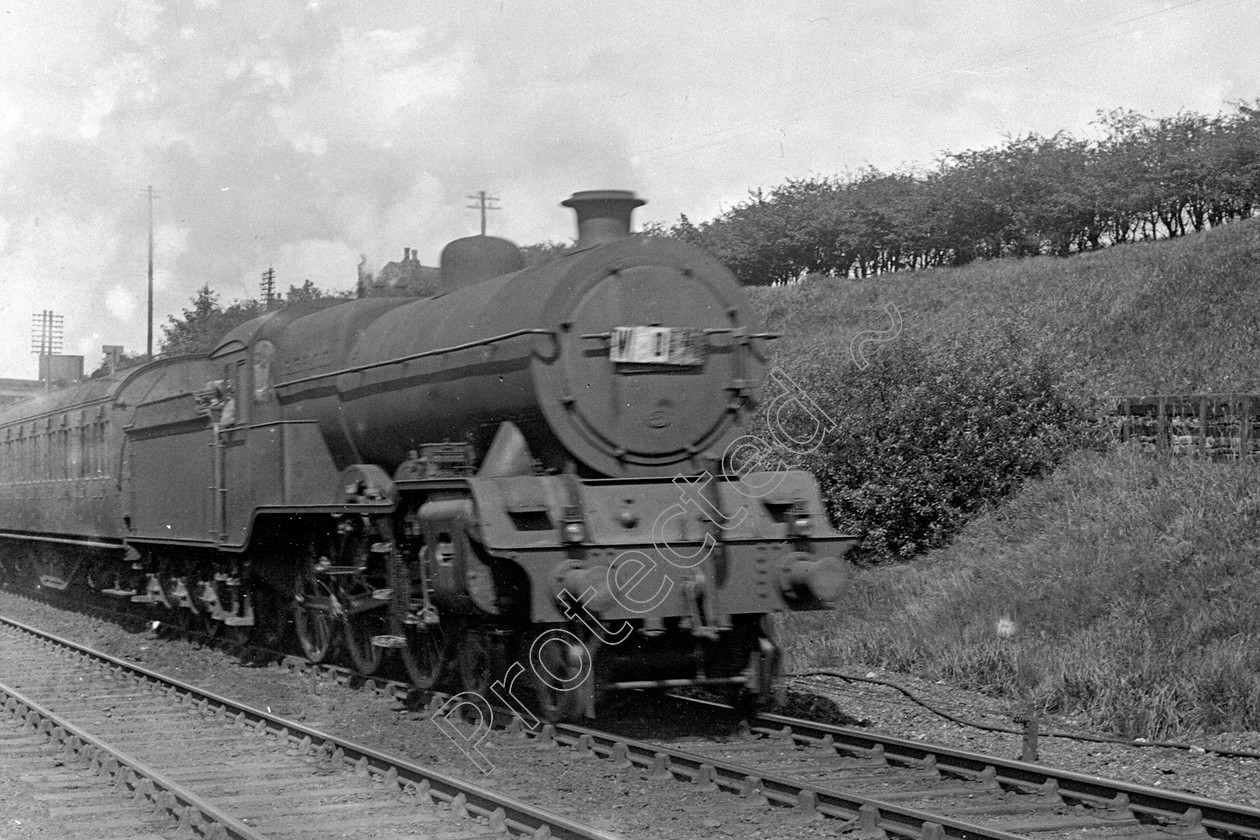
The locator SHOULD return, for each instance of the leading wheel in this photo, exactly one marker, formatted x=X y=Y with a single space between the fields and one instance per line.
x=423 y=654
x=560 y=665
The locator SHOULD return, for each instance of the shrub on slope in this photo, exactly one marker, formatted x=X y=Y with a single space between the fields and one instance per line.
x=1134 y=581
x=934 y=429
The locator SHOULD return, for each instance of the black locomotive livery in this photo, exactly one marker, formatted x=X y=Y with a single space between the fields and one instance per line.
x=530 y=466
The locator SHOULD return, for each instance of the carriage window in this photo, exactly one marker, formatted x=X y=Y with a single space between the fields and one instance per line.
x=84 y=450
x=264 y=354
x=102 y=458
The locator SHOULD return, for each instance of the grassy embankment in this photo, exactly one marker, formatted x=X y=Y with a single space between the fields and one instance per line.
x=1159 y=317
x=1134 y=580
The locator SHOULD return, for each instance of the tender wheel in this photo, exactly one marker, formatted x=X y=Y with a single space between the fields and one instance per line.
x=22 y=574
x=240 y=635
x=311 y=616
x=269 y=626
x=237 y=635
x=179 y=617
x=357 y=633
x=178 y=621
x=476 y=664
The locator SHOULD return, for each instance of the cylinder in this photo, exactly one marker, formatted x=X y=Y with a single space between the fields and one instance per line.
x=804 y=577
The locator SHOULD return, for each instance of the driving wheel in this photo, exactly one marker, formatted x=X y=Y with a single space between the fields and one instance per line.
x=312 y=614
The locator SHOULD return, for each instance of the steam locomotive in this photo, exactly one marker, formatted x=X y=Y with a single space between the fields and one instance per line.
x=534 y=472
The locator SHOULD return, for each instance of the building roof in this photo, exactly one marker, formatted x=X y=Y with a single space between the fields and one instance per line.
x=405 y=278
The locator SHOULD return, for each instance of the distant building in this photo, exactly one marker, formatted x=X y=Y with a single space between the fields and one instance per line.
x=16 y=390
x=403 y=278
x=59 y=369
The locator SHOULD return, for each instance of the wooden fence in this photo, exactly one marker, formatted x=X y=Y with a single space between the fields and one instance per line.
x=1206 y=425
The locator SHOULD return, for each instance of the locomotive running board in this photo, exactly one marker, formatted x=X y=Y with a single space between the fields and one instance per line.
x=9 y=535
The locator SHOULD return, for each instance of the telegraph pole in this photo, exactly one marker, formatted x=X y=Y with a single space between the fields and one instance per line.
x=268 y=286
x=483 y=203
x=47 y=329
x=149 y=342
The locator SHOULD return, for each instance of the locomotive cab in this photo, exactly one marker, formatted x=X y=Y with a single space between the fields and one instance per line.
x=263 y=459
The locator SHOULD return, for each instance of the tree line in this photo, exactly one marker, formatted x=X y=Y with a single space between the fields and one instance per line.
x=1147 y=178
x=203 y=324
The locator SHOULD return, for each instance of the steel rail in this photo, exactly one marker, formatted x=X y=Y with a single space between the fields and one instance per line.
x=866 y=813
x=517 y=815
x=1180 y=809
x=186 y=806
x=1096 y=790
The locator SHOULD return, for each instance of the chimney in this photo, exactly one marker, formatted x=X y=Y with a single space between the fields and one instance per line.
x=406 y=254
x=602 y=215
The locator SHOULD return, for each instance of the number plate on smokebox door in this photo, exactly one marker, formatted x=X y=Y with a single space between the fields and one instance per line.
x=657 y=346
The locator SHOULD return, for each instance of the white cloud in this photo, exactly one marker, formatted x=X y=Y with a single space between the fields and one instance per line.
x=89 y=347
x=310 y=144
x=304 y=134
x=170 y=243
x=121 y=303
x=10 y=112
x=272 y=73
x=138 y=19
x=375 y=85
x=125 y=80
x=55 y=262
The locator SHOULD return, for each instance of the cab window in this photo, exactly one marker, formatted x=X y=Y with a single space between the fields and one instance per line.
x=264 y=356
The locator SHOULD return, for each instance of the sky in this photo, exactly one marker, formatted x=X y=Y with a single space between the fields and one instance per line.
x=308 y=135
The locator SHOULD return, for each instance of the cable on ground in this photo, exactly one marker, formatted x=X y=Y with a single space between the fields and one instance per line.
x=1010 y=730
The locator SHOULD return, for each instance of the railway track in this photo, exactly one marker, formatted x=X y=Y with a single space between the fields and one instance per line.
x=907 y=788
x=230 y=771
x=45 y=785
x=879 y=785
